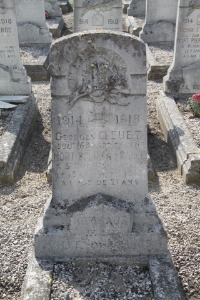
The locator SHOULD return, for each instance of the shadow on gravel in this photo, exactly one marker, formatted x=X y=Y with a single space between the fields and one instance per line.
x=160 y=153
x=36 y=154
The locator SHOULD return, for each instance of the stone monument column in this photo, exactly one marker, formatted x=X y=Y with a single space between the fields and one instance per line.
x=13 y=77
x=100 y=205
x=31 y=23
x=184 y=74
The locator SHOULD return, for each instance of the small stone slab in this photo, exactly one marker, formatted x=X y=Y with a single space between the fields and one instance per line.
x=14 y=99
x=4 y=105
x=164 y=278
x=179 y=138
x=56 y=26
x=65 y=6
x=38 y=280
x=156 y=71
x=135 y=25
x=15 y=139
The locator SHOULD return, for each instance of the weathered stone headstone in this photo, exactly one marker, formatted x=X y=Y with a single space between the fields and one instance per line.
x=100 y=205
x=137 y=8
x=184 y=74
x=31 y=23
x=13 y=78
x=160 y=22
x=95 y=14
x=53 y=8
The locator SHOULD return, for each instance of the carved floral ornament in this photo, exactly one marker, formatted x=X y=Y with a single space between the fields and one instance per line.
x=98 y=79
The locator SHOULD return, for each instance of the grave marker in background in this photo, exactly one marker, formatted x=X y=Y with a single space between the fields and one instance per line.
x=31 y=23
x=160 y=21
x=184 y=74
x=137 y=8
x=94 y=14
x=13 y=77
x=100 y=205
x=53 y=8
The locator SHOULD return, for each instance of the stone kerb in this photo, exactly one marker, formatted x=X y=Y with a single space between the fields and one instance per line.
x=31 y=23
x=160 y=22
x=97 y=15
x=13 y=77
x=184 y=73
x=100 y=205
x=137 y=8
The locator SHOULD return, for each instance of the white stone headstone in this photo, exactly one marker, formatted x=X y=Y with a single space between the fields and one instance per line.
x=137 y=8
x=100 y=205
x=13 y=77
x=95 y=14
x=53 y=8
x=184 y=74
x=31 y=22
x=160 y=21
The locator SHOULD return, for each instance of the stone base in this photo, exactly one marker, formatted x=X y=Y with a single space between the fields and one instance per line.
x=56 y=26
x=15 y=139
x=100 y=226
x=37 y=66
x=178 y=136
x=164 y=278
x=29 y=33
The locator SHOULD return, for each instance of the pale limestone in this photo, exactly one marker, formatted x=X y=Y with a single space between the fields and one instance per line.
x=100 y=205
x=95 y=14
x=184 y=74
x=53 y=8
x=160 y=22
x=137 y=8
x=31 y=23
x=13 y=78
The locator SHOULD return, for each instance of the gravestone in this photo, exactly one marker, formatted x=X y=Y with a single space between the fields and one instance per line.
x=13 y=78
x=31 y=23
x=137 y=8
x=160 y=22
x=95 y=14
x=184 y=74
x=53 y=8
x=100 y=205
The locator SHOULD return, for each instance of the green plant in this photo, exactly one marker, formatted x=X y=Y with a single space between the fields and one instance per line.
x=194 y=103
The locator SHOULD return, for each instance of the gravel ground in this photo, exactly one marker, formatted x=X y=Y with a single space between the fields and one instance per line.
x=163 y=54
x=100 y=281
x=31 y=54
x=22 y=203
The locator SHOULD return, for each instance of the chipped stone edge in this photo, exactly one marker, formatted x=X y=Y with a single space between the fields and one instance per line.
x=56 y=26
x=16 y=138
x=179 y=138
x=165 y=282
x=155 y=70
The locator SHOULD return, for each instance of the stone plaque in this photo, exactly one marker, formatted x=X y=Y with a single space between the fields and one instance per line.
x=31 y=23
x=100 y=204
x=53 y=8
x=160 y=21
x=95 y=14
x=184 y=75
x=13 y=78
x=137 y=8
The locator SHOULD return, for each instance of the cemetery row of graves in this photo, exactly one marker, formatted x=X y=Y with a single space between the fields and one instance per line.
x=99 y=149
